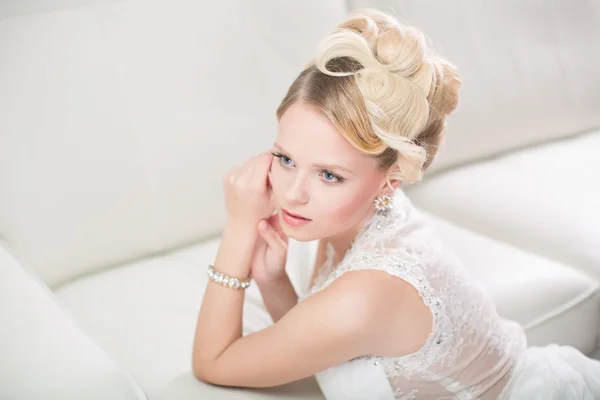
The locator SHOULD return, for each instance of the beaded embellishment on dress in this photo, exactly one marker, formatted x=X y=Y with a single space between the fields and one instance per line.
x=466 y=329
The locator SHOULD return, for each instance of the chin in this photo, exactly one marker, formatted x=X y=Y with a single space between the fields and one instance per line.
x=297 y=234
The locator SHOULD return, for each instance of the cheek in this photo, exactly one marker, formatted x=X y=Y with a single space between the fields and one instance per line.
x=346 y=209
x=343 y=212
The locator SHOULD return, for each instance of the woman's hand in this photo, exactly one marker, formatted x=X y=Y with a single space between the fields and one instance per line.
x=270 y=252
x=248 y=192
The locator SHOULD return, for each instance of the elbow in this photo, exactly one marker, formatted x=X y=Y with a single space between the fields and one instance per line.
x=201 y=373
x=201 y=370
x=201 y=365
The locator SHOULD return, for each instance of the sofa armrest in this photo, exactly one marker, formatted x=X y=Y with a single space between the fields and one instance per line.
x=44 y=353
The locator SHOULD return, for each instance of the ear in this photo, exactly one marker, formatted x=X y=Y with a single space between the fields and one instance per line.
x=385 y=188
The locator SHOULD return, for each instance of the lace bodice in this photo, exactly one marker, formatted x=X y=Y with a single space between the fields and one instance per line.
x=470 y=351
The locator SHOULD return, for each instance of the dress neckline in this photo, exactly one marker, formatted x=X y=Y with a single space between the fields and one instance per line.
x=399 y=207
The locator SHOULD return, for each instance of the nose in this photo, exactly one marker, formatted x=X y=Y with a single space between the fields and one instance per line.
x=296 y=192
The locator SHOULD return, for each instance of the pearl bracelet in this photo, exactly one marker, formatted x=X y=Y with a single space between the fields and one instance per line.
x=226 y=280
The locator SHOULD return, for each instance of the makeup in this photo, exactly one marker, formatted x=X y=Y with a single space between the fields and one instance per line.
x=293 y=220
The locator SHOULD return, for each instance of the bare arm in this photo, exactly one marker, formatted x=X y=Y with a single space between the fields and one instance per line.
x=357 y=314
x=279 y=296
x=219 y=321
x=324 y=330
x=247 y=200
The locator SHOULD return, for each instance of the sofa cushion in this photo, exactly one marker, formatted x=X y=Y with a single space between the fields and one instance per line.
x=44 y=353
x=545 y=199
x=144 y=316
x=147 y=310
x=554 y=303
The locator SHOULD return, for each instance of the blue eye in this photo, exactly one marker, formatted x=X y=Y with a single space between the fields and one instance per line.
x=283 y=159
x=328 y=175
x=331 y=178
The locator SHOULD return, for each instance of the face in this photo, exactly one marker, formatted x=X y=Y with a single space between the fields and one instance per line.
x=318 y=175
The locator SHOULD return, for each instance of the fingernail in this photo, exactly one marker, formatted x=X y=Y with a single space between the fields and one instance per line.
x=261 y=224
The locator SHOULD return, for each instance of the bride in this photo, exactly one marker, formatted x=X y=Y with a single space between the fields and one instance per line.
x=391 y=313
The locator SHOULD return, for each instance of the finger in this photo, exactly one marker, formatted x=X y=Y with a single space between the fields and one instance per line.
x=274 y=221
x=250 y=173
x=232 y=170
x=271 y=237
x=259 y=245
x=259 y=175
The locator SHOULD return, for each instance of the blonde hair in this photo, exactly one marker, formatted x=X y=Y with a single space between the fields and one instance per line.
x=384 y=90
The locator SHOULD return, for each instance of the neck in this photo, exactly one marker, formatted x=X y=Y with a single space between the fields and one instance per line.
x=343 y=241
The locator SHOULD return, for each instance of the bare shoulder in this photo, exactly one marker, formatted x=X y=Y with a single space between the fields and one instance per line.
x=324 y=330
x=345 y=307
x=384 y=308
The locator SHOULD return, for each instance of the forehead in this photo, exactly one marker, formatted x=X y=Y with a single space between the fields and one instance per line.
x=309 y=135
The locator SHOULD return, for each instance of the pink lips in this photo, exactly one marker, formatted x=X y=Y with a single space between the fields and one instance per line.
x=293 y=219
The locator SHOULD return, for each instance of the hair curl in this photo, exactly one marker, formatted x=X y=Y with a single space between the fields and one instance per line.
x=384 y=90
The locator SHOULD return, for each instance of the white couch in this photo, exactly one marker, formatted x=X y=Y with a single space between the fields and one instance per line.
x=118 y=119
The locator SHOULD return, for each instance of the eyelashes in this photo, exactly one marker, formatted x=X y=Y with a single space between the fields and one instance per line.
x=322 y=172
x=281 y=157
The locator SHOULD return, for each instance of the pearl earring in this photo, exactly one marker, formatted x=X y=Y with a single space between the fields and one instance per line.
x=383 y=203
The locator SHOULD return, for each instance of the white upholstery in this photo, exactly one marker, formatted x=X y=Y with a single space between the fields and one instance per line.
x=118 y=119
x=44 y=353
x=545 y=198
x=555 y=303
x=156 y=301
x=530 y=70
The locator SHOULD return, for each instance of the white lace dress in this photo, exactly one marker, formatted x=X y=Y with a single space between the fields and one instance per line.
x=471 y=352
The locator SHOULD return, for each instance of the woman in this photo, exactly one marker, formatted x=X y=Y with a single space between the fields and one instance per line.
x=391 y=313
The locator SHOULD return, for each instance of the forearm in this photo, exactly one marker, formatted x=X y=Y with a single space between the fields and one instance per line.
x=279 y=296
x=219 y=321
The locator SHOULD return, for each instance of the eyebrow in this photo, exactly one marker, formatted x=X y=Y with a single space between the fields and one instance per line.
x=320 y=165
